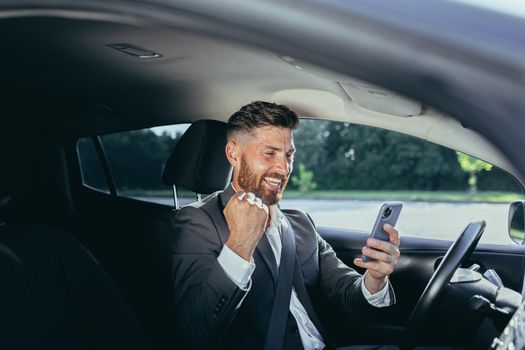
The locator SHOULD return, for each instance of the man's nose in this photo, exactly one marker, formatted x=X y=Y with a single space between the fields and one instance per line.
x=281 y=165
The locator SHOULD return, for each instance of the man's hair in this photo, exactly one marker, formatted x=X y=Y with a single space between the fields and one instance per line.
x=259 y=114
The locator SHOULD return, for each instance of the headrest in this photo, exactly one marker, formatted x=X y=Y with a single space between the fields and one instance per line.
x=198 y=162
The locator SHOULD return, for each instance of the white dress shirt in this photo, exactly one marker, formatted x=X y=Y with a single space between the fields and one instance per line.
x=240 y=271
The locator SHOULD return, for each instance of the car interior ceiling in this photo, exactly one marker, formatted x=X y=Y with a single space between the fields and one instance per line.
x=114 y=91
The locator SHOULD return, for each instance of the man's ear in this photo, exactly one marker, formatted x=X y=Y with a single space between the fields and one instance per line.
x=232 y=153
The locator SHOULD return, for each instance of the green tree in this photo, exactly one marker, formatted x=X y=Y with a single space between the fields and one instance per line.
x=366 y=158
x=472 y=166
x=304 y=181
x=309 y=140
x=136 y=158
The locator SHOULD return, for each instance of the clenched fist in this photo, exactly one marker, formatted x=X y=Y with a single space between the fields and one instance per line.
x=246 y=217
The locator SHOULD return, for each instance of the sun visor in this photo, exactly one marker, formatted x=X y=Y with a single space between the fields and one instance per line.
x=363 y=94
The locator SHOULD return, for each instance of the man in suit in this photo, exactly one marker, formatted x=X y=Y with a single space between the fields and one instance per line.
x=228 y=249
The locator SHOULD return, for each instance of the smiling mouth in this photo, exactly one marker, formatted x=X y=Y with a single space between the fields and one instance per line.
x=273 y=182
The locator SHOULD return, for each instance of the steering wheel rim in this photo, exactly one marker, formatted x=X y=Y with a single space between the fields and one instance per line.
x=459 y=252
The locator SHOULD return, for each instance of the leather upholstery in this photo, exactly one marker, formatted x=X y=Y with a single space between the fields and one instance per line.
x=18 y=146
x=53 y=293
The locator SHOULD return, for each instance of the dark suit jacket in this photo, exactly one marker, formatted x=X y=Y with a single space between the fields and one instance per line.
x=213 y=312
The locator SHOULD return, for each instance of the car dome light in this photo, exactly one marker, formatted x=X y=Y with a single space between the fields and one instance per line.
x=135 y=51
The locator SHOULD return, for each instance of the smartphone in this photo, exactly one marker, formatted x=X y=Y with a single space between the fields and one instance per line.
x=388 y=214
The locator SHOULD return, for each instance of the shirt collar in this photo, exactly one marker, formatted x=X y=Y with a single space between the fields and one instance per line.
x=275 y=216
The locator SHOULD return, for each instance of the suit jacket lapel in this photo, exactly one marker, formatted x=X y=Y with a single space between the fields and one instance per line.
x=226 y=195
x=264 y=250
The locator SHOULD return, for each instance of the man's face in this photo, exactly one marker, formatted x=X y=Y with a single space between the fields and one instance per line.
x=266 y=163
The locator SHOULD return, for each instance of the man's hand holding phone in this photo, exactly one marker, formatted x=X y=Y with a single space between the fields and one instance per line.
x=382 y=250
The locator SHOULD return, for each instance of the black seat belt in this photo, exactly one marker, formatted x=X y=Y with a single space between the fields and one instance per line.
x=304 y=298
x=283 y=291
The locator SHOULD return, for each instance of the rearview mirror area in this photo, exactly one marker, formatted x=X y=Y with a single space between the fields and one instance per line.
x=517 y=221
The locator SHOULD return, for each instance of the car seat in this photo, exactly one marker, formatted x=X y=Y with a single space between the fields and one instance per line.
x=53 y=293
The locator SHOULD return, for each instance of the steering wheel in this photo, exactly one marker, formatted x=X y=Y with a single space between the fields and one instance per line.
x=459 y=252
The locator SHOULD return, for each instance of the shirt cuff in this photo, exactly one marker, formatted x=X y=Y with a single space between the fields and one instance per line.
x=379 y=299
x=235 y=267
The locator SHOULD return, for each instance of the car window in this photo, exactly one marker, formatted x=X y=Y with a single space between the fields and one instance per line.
x=90 y=165
x=343 y=173
x=136 y=159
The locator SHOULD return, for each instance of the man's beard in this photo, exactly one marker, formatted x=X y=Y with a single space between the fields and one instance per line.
x=249 y=183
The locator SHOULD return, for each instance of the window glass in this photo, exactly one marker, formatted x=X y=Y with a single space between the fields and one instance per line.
x=90 y=166
x=136 y=159
x=343 y=172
